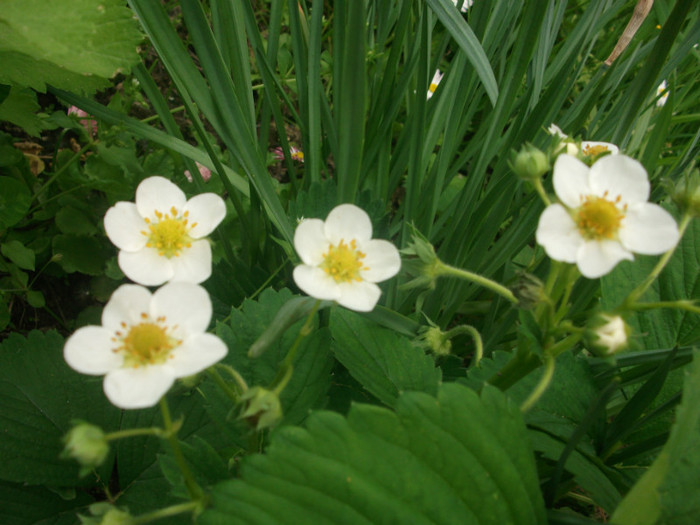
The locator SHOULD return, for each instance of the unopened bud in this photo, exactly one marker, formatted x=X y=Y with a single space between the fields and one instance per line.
x=262 y=408
x=435 y=340
x=686 y=193
x=607 y=335
x=528 y=290
x=106 y=514
x=529 y=163
x=424 y=268
x=86 y=444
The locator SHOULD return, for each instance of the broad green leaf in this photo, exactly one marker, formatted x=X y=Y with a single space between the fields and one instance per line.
x=459 y=458
x=73 y=221
x=20 y=108
x=41 y=395
x=22 y=505
x=384 y=362
x=14 y=201
x=80 y=253
x=81 y=36
x=669 y=492
x=18 y=254
x=36 y=298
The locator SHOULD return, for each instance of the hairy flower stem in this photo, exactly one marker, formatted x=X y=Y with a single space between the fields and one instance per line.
x=133 y=432
x=537 y=183
x=193 y=489
x=476 y=337
x=284 y=374
x=542 y=385
x=445 y=269
x=639 y=290
x=174 y=510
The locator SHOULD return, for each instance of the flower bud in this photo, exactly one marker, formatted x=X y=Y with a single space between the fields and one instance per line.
x=106 y=514
x=529 y=163
x=607 y=335
x=435 y=340
x=263 y=408
x=528 y=290
x=686 y=193
x=86 y=444
x=424 y=268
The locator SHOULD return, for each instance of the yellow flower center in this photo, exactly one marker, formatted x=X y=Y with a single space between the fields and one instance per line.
x=594 y=151
x=343 y=262
x=598 y=218
x=169 y=233
x=298 y=155
x=432 y=87
x=146 y=343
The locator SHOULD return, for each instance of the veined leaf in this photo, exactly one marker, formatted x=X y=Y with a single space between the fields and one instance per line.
x=459 y=458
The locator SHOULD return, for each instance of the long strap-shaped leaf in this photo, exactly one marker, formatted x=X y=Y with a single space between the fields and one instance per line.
x=467 y=41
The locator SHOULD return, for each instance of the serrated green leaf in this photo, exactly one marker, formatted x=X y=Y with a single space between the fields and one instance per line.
x=41 y=395
x=80 y=36
x=18 y=254
x=668 y=492
x=458 y=458
x=72 y=221
x=384 y=362
x=311 y=378
x=22 y=505
x=680 y=279
x=14 y=201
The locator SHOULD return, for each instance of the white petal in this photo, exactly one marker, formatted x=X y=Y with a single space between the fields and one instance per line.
x=193 y=265
x=570 y=180
x=126 y=305
x=184 y=304
x=612 y=148
x=347 y=222
x=124 y=227
x=359 y=296
x=620 y=175
x=558 y=234
x=310 y=241
x=145 y=266
x=89 y=351
x=553 y=129
x=315 y=282
x=158 y=193
x=597 y=258
x=196 y=354
x=382 y=258
x=207 y=211
x=140 y=387
x=648 y=229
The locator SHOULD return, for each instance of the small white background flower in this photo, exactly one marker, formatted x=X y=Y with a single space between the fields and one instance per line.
x=662 y=92
x=341 y=260
x=604 y=215
x=589 y=148
x=435 y=81
x=161 y=235
x=146 y=341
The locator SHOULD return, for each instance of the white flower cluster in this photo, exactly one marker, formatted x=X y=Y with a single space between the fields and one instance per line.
x=148 y=340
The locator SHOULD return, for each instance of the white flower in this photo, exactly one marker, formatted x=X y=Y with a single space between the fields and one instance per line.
x=661 y=92
x=161 y=235
x=146 y=341
x=465 y=5
x=604 y=215
x=437 y=77
x=589 y=148
x=341 y=261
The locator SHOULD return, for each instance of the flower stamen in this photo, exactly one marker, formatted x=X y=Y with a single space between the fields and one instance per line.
x=599 y=218
x=170 y=234
x=146 y=343
x=594 y=151
x=343 y=262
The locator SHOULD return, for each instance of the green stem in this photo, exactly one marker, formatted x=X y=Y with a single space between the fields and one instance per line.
x=639 y=290
x=285 y=371
x=446 y=269
x=132 y=432
x=223 y=385
x=682 y=304
x=61 y=170
x=476 y=336
x=542 y=384
x=174 y=510
x=537 y=183
x=193 y=489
